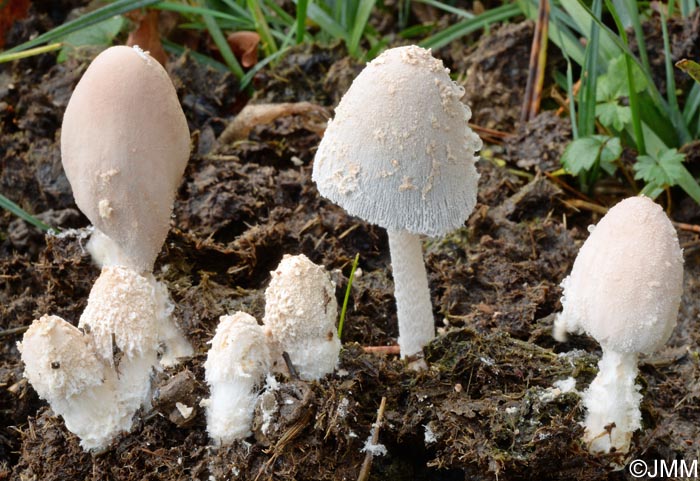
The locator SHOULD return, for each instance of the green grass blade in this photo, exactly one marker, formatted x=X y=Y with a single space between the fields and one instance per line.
x=607 y=48
x=10 y=206
x=9 y=57
x=238 y=9
x=633 y=95
x=359 y=23
x=248 y=77
x=263 y=28
x=465 y=27
x=692 y=106
x=224 y=48
x=653 y=91
x=326 y=22
x=675 y=111
x=447 y=8
x=589 y=78
x=341 y=321
x=99 y=15
x=302 y=6
x=688 y=183
x=242 y=22
x=175 y=49
x=633 y=12
x=569 y=86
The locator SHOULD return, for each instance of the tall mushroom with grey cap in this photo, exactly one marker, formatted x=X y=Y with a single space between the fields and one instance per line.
x=624 y=290
x=399 y=153
x=124 y=146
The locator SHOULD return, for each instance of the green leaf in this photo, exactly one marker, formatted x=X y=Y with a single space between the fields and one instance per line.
x=584 y=153
x=99 y=35
x=690 y=67
x=612 y=114
x=664 y=169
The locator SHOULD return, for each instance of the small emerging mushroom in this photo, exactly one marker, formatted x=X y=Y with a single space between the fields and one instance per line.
x=62 y=367
x=300 y=316
x=624 y=290
x=400 y=154
x=236 y=366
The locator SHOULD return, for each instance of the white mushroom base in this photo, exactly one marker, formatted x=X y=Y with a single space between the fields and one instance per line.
x=230 y=410
x=613 y=397
x=413 y=306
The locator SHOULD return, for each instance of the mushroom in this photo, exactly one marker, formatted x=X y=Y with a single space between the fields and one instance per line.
x=624 y=290
x=237 y=363
x=124 y=146
x=63 y=369
x=300 y=317
x=400 y=154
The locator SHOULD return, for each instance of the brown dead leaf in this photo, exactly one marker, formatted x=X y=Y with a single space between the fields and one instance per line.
x=147 y=35
x=11 y=11
x=244 y=45
x=258 y=114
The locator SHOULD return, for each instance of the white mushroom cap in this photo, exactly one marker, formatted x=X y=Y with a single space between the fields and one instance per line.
x=300 y=316
x=236 y=365
x=238 y=350
x=58 y=359
x=123 y=307
x=399 y=152
x=626 y=284
x=124 y=147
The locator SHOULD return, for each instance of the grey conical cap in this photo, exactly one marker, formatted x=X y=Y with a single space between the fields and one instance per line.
x=399 y=152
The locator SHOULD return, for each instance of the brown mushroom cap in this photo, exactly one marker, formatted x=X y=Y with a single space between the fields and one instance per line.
x=399 y=152
x=124 y=147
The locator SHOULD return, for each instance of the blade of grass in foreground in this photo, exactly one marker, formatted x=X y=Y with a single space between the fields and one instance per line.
x=341 y=321
x=224 y=48
x=97 y=16
x=9 y=57
x=465 y=27
x=360 y=21
x=10 y=206
x=589 y=78
x=633 y=96
x=675 y=111
x=268 y=41
x=302 y=6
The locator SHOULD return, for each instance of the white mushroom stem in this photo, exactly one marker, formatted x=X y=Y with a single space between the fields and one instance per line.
x=235 y=369
x=413 y=306
x=613 y=398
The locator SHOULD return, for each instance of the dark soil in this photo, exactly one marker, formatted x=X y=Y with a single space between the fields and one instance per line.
x=485 y=409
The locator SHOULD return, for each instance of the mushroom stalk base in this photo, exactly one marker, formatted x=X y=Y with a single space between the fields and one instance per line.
x=613 y=397
x=413 y=306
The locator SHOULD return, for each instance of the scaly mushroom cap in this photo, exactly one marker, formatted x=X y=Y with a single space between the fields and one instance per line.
x=123 y=312
x=300 y=315
x=399 y=152
x=626 y=284
x=58 y=360
x=124 y=147
x=238 y=351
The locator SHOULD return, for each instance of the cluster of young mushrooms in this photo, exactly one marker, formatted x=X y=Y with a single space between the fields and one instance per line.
x=398 y=153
